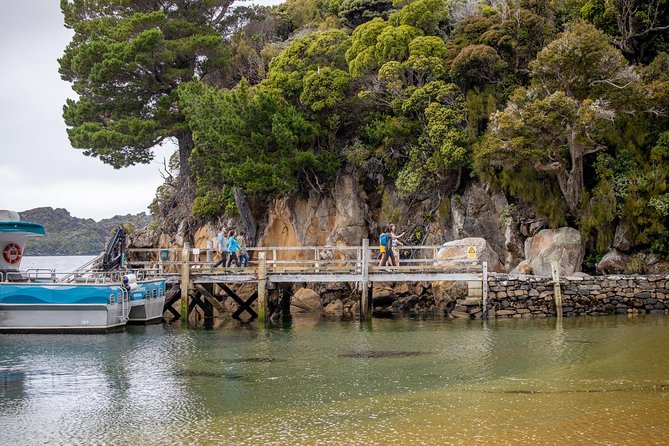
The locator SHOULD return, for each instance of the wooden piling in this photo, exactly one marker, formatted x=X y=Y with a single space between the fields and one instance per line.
x=484 y=289
x=263 y=311
x=365 y=302
x=210 y=252
x=557 y=291
x=185 y=282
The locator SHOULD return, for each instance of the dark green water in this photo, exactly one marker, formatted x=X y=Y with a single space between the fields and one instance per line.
x=598 y=380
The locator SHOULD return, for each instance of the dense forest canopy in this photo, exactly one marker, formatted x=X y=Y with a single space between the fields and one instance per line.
x=563 y=104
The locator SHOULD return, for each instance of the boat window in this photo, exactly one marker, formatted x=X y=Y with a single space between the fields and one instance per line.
x=155 y=294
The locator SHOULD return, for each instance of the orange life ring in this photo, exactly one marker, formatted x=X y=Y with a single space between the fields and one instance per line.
x=12 y=253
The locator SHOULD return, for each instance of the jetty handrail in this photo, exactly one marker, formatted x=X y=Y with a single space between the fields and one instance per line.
x=310 y=259
x=295 y=248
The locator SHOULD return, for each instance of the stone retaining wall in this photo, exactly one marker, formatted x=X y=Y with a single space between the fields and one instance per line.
x=531 y=296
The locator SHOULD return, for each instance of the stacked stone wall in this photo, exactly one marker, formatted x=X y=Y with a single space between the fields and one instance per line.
x=530 y=296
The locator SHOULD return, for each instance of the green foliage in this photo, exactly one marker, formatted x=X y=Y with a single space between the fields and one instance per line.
x=477 y=65
x=640 y=27
x=443 y=146
x=427 y=15
x=302 y=12
x=582 y=63
x=516 y=38
x=124 y=63
x=507 y=214
x=325 y=88
x=304 y=56
x=531 y=186
x=215 y=202
x=357 y=12
x=591 y=259
x=252 y=139
x=356 y=153
x=480 y=105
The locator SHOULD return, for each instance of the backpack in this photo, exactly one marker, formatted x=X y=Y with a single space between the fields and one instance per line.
x=383 y=239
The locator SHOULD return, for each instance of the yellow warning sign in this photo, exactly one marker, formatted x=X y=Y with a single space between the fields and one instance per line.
x=471 y=252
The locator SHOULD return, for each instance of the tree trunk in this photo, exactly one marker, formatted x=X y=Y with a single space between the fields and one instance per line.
x=248 y=221
x=186 y=145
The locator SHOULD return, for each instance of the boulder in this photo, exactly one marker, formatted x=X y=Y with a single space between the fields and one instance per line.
x=306 y=299
x=447 y=292
x=335 y=308
x=622 y=239
x=143 y=238
x=355 y=309
x=456 y=251
x=613 y=262
x=383 y=294
x=477 y=214
x=563 y=245
x=205 y=237
x=382 y=290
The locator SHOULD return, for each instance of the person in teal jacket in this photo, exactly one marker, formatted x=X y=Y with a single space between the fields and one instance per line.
x=233 y=248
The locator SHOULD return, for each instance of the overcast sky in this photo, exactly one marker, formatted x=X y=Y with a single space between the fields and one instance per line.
x=38 y=167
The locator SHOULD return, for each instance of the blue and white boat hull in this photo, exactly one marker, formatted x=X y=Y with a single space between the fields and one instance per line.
x=147 y=302
x=55 y=307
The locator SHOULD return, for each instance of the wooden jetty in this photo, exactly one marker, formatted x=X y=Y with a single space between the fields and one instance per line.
x=192 y=279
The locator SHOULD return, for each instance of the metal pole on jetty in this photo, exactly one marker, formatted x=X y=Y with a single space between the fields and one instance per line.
x=263 y=311
x=185 y=283
x=365 y=302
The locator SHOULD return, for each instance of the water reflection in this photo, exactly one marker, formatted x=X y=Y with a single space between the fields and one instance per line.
x=427 y=381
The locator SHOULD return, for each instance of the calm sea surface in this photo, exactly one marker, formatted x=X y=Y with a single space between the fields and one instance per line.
x=599 y=380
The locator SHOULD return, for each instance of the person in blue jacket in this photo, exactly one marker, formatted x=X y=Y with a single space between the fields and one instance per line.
x=386 y=241
x=233 y=248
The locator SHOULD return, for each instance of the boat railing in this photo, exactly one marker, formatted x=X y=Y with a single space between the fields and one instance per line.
x=86 y=267
x=40 y=275
x=90 y=277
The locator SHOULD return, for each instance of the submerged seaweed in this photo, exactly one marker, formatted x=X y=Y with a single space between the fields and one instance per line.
x=380 y=354
x=251 y=360
x=208 y=374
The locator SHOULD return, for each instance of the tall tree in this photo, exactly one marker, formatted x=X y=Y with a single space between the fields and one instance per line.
x=125 y=61
x=565 y=115
x=639 y=27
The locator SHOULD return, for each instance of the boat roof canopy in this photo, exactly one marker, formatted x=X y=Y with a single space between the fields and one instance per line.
x=25 y=227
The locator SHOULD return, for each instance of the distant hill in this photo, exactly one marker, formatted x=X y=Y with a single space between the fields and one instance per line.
x=68 y=235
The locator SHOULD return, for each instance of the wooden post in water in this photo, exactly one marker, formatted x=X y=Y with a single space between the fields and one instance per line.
x=484 y=290
x=557 y=291
x=365 y=301
x=263 y=311
x=185 y=283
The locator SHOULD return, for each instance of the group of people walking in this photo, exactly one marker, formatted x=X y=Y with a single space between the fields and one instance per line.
x=232 y=247
x=389 y=244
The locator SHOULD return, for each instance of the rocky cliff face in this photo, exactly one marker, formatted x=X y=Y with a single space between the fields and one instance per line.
x=319 y=220
x=349 y=214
